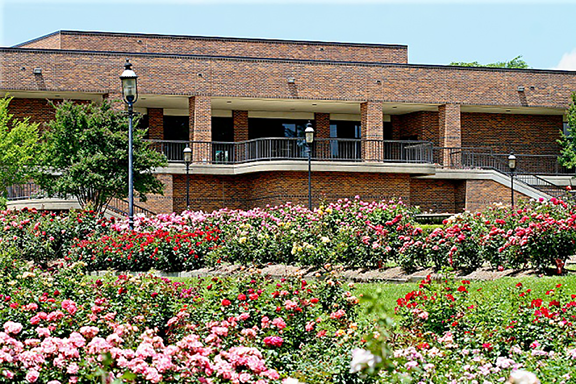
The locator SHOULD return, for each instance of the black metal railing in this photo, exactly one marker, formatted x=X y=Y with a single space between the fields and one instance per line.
x=485 y=158
x=25 y=191
x=29 y=191
x=120 y=206
x=400 y=151
x=529 y=171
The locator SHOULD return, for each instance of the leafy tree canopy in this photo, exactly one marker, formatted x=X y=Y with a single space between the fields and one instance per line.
x=568 y=141
x=86 y=156
x=516 y=62
x=18 y=147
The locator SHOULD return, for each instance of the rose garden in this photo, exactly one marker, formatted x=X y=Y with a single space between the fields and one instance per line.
x=63 y=323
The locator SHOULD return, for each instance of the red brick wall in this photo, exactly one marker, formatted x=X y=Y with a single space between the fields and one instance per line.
x=38 y=110
x=322 y=125
x=200 y=127
x=372 y=129
x=165 y=74
x=273 y=188
x=483 y=193
x=240 y=121
x=161 y=203
x=449 y=122
x=424 y=125
x=435 y=195
x=260 y=189
x=533 y=134
x=51 y=41
x=286 y=49
x=156 y=123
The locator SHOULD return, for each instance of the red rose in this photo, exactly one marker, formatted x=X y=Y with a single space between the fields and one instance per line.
x=226 y=302
x=242 y=297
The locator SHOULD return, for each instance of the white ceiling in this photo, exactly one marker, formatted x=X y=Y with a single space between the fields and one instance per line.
x=178 y=105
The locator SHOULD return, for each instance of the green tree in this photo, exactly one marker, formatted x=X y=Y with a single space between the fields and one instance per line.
x=516 y=62
x=18 y=148
x=86 y=156
x=568 y=141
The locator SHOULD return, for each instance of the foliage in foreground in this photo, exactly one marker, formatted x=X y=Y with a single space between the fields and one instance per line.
x=449 y=332
x=60 y=326
x=85 y=156
x=18 y=148
x=568 y=141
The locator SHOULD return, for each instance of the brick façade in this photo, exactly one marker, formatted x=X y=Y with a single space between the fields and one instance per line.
x=266 y=78
x=372 y=76
x=221 y=46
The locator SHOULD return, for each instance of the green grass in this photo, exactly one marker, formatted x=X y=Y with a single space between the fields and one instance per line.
x=389 y=293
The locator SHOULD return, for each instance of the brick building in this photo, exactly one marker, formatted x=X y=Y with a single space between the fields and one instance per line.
x=435 y=136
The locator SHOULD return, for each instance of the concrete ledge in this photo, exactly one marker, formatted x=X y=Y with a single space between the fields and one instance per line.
x=299 y=166
x=483 y=174
x=50 y=204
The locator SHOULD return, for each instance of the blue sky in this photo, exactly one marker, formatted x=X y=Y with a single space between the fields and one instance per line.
x=436 y=32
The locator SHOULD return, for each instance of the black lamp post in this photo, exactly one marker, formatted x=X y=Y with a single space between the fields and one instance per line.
x=309 y=133
x=130 y=96
x=512 y=166
x=187 y=160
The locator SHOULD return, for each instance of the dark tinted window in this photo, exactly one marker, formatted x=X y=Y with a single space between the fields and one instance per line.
x=222 y=129
x=176 y=128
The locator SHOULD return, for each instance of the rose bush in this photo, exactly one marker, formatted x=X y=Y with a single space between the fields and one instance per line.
x=449 y=331
x=60 y=325
x=347 y=232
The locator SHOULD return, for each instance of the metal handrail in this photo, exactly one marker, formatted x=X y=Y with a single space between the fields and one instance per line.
x=29 y=191
x=485 y=157
x=286 y=148
x=121 y=206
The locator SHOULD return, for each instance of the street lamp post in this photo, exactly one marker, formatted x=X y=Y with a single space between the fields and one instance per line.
x=309 y=133
x=512 y=166
x=187 y=160
x=130 y=96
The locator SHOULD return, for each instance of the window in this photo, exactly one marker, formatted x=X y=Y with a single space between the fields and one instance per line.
x=176 y=128
x=222 y=129
x=260 y=128
x=345 y=149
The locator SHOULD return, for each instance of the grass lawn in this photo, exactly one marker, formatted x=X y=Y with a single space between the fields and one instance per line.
x=390 y=292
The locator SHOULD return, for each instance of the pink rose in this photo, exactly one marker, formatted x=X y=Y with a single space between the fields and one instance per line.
x=279 y=323
x=274 y=341
x=69 y=306
x=12 y=327
x=32 y=376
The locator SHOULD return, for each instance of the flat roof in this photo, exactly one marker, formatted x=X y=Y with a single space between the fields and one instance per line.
x=215 y=38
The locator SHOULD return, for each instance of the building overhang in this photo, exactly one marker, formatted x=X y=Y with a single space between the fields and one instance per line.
x=298 y=166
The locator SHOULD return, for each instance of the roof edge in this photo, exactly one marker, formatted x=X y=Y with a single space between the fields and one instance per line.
x=288 y=60
x=37 y=39
x=220 y=38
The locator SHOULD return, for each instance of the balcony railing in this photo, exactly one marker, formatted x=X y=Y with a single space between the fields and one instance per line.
x=395 y=151
x=485 y=158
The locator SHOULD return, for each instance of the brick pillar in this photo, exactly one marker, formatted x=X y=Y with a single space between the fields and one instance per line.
x=199 y=109
x=240 y=121
x=450 y=134
x=372 y=129
x=156 y=123
x=322 y=125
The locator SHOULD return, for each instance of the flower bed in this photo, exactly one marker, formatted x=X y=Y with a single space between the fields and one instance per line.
x=59 y=327
x=450 y=332
x=349 y=232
